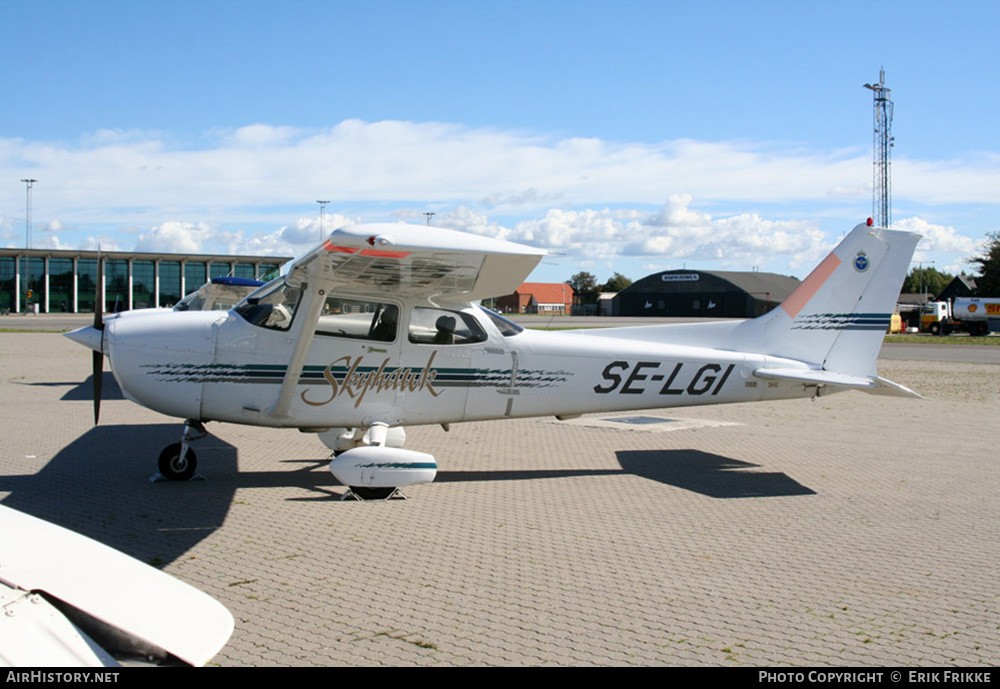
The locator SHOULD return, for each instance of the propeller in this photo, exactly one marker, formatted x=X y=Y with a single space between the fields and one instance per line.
x=98 y=356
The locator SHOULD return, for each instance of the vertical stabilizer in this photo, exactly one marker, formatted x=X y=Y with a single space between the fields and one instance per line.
x=837 y=316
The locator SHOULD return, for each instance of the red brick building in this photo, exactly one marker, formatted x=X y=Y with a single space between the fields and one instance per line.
x=538 y=297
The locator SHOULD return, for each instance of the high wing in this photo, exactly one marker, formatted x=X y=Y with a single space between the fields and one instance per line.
x=404 y=260
x=416 y=261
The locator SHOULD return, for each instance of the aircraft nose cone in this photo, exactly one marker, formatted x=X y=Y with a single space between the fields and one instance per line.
x=89 y=337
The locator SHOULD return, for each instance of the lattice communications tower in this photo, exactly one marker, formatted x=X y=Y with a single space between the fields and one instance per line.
x=882 y=152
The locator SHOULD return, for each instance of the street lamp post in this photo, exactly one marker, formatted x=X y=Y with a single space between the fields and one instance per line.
x=923 y=278
x=27 y=235
x=27 y=211
x=322 y=233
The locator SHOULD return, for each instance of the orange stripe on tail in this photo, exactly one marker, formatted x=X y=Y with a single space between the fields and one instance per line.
x=804 y=292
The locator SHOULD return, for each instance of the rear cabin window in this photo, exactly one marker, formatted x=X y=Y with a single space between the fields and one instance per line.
x=442 y=327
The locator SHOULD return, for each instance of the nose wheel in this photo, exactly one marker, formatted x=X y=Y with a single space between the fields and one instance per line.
x=176 y=465
x=178 y=462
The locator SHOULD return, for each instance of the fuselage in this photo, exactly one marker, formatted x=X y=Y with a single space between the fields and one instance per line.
x=231 y=366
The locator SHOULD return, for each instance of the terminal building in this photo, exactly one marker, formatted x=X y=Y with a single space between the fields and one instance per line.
x=704 y=294
x=64 y=281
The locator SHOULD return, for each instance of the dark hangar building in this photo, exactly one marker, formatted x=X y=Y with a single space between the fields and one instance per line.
x=704 y=294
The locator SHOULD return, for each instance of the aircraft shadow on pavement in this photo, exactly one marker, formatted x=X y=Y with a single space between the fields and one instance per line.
x=519 y=474
x=79 y=392
x=99 y=486
x=709 y=474
x=700 y=472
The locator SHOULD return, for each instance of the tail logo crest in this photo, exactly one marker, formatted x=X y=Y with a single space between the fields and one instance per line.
x=861 y=262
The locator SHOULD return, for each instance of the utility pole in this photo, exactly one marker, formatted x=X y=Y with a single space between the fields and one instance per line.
x=883 y=143
x=430 y=214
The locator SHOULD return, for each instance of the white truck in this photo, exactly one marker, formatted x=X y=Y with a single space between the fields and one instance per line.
x=974 y=315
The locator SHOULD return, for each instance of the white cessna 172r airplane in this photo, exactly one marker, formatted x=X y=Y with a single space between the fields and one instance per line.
x=379 y=328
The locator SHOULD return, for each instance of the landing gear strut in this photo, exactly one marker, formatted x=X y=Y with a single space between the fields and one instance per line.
x=178 y=462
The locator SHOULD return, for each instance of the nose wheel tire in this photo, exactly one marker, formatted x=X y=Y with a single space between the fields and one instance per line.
x=175 y=468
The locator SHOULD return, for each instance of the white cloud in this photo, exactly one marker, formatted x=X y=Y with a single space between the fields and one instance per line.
x=262 y=165
x=261 y=135
x=8 y=233
x=937 y=237
x=676 y=232
x=101 y=242
x=586 y=198
x=466 y=219
x=971 y=180
x=176 y=237
x=306 y=231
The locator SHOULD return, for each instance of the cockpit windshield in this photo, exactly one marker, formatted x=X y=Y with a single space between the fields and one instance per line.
x=506 y=327
x=272 y=306
x=219 y=294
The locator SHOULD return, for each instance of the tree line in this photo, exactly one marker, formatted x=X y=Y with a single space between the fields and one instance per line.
x=586 y=283
x=931 y=281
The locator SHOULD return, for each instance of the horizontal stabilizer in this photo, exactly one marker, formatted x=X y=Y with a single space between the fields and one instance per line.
x=874 y=384
x=887 y=387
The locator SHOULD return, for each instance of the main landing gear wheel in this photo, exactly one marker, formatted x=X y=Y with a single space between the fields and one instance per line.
x=173 y=467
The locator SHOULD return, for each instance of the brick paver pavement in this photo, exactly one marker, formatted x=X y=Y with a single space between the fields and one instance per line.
x=851 y=530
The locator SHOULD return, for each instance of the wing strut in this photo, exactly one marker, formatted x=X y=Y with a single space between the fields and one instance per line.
x=305 y=335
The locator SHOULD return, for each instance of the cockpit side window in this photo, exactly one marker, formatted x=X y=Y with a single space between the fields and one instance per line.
x=358 y=319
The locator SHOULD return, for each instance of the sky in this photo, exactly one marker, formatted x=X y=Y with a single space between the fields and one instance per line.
x=630 y=136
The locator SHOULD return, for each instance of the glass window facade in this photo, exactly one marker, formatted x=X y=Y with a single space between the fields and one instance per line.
x=268 y=271
x=36 y=283
x=221 y=269
x=195 y=275
x=244 y=270
x=60 y=285
x=143 y=284
x=86 y=284
x=115 y=285
x=170 y=283
x=61 y=281
x=8 y=283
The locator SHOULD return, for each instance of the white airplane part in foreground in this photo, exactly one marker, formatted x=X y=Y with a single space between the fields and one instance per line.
x=379 y=328
x=70 y=601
